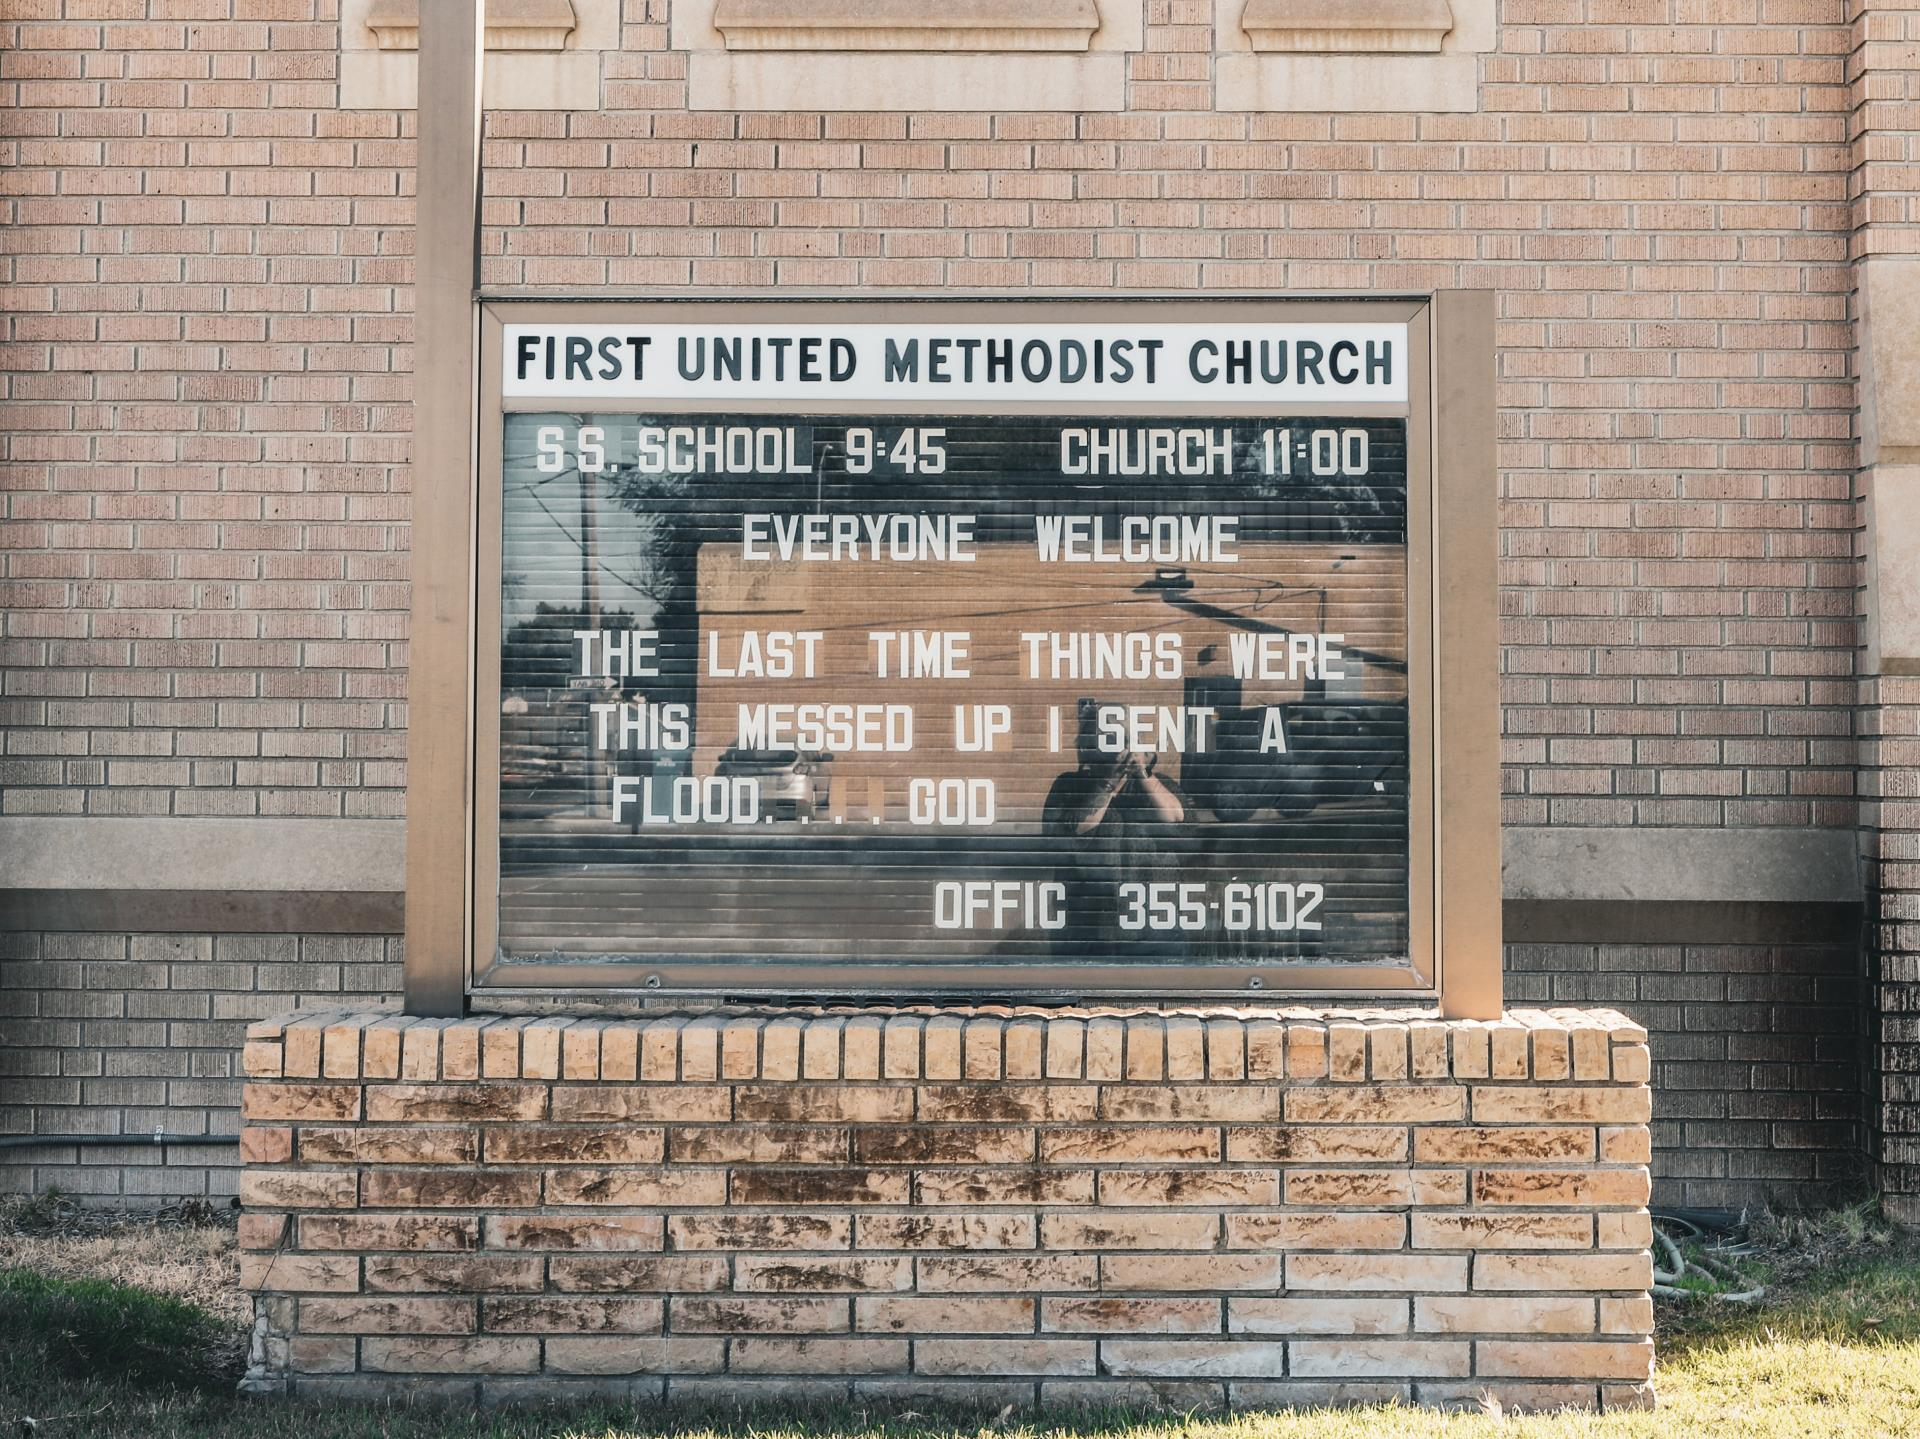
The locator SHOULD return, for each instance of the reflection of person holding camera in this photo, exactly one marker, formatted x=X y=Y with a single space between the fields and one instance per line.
x=1121 y=817
x=1116 y=789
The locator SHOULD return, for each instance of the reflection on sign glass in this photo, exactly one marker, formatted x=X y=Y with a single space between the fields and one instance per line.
x=1008 y=691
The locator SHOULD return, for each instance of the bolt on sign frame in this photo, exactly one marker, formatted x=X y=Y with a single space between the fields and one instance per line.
x=1452 y=954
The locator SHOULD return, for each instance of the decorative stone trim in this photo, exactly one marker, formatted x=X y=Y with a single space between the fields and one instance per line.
x=1003 y=25
x=1406 y=26
x=541 y=54
x=511 y=24
x=897 y=55
x=1198 y=1208
x=1351 y=56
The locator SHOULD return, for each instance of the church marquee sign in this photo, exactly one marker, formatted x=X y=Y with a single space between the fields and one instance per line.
x=973 y=649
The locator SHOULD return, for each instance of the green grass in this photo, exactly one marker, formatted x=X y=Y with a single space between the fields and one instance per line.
x=73 y=1329
x=1834 y=1350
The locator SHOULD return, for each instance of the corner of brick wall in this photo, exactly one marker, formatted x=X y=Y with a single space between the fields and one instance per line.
x=1207 y=1209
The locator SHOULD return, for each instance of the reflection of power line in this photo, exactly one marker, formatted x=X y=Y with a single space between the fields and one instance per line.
x=929 y=620
x=1266 y=591
x=638 y=586
x=1142 y=597
x=1108 y=604
x=1259 y=593
x=1183 y=602
x=531 y=485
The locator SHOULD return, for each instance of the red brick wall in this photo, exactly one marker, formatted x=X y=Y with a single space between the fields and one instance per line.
x=129 y=1033
x=1761 y=1057
x=203 y=546
x=205 y=369
x=1090 y=1209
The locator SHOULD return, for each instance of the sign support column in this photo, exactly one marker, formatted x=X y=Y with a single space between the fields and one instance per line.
x=440 y=649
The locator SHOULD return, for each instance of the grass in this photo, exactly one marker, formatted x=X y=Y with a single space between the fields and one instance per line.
x=112 y=1332
x=185 y=1252
x=77 y=1328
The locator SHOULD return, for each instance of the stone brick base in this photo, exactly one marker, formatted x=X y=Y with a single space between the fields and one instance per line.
x=1212 y=1208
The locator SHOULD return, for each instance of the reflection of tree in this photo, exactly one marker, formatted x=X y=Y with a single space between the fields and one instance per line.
x=664 y=532
x=665 y=556
x=1363 y=510
x=1336 y=509
x=541 y=653
x=650 y=555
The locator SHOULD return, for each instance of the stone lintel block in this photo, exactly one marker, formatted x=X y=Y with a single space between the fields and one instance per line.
x=957 y=25
x=541 y=54
x=1331 y=26
x=1893 y=545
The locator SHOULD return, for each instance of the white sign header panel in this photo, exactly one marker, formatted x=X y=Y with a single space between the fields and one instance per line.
x=1183 y=363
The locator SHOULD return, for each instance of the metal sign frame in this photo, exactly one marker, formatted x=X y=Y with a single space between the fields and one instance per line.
x=1453 y=891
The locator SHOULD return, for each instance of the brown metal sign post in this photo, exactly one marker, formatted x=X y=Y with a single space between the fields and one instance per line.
x=440 y=647
x=1466 y=527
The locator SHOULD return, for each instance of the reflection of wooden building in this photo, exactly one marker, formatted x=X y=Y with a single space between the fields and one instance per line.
x=1357 y=592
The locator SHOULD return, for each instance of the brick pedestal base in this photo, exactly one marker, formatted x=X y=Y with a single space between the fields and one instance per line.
x=1204 y=1208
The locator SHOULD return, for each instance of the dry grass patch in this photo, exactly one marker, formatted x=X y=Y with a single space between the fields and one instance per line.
x=184 y=1251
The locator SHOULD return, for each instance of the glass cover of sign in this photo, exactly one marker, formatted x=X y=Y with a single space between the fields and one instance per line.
x=971 y=693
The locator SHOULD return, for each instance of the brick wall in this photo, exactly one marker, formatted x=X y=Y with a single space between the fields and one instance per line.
x=204 y=460
x=128 y=1033
x=1758 y=1054
x=203 y=547
x=205 y=367
x=1760 y=1062
x=1892 y=779
x=1182 y=1211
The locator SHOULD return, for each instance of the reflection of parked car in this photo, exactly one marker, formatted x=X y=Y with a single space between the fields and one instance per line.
x=793 y=783
x=1338 y=752
x=535 y=774
x=1335 y=747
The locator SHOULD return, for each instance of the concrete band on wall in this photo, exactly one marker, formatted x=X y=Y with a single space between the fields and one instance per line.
x=1755 y=1007
x=1095 y=1207
x=345 y=877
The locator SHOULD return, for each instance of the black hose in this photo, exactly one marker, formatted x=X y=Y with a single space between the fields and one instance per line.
x=49 y=1141
x=1720 y=1221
